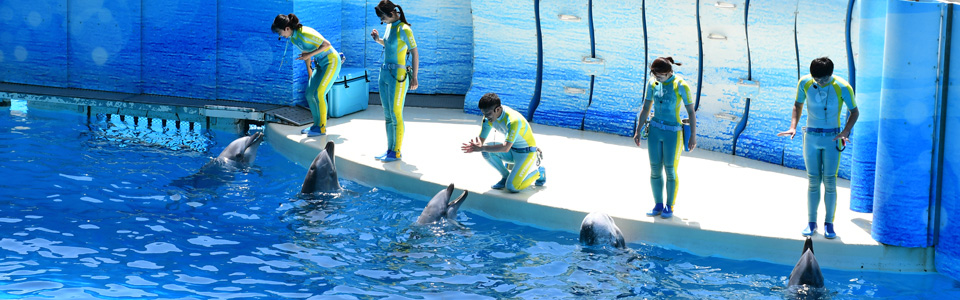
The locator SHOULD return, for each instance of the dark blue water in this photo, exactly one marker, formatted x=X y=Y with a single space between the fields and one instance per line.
x=88 y=211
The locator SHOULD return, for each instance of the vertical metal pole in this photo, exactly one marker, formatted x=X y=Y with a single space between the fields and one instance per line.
x=940 y=130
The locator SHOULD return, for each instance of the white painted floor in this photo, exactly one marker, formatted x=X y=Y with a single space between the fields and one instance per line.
x=727 y=206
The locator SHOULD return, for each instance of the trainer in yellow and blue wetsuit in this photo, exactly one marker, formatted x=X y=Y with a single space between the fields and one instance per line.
x=325 y=69
x=666 y=93
x=394 y=78
x=823 y=139
x=518 y=147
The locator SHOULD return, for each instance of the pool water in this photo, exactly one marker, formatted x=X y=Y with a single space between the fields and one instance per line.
x=89 y=209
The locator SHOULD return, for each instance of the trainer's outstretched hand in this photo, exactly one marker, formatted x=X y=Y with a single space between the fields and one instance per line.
x=471 y=146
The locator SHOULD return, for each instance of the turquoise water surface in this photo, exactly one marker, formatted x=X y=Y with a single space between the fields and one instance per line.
x=89 y=209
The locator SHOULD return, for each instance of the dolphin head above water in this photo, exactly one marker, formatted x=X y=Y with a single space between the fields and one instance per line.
x=598 y=229
x=322 y=174
x=807 y=271
x=242 y=150
x=441 y=207
x=239 y=154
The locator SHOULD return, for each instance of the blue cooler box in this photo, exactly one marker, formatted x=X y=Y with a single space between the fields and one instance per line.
x=350 y=92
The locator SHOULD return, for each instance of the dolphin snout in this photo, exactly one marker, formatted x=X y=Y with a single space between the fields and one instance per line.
x=256 y=138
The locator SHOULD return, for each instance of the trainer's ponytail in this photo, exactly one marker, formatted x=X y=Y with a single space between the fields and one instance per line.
x=282 y=21
x=663 y=65
x=294 y=22
x=403 y=17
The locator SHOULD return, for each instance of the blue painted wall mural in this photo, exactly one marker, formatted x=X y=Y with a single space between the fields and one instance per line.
x=725 y=63
x=105 y=45
x=190 y=68
x=505 y=64
x=565 y=89
x=775 y=70
x=453 y=61
x=249 y=57
x=34 y=31
x=354 y=33
x=619 y=68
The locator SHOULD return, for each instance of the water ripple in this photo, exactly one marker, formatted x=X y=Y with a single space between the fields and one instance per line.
x=159 y=248
x=207 y=241
x=142 y=264
x=21 y=288
x=77 y=178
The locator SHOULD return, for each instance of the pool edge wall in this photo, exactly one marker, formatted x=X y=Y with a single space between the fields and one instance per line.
x=668 y=234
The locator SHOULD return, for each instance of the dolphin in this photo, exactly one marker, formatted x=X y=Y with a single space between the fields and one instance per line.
x=322 y=174
x=599 y=229
x=807 y=270
x=441 y=207
x=238 y=154
x=242 y=150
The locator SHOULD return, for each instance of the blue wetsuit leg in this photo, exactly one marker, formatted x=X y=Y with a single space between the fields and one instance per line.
x=524 y=172
x=326 y=69
x=822 y=160
x=393 y=93
x=664 y=150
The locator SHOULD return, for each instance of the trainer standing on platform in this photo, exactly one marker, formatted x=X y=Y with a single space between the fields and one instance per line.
x=823 y=139
x=325 y=68
x=666 y=93
x=518 y=147
x=395 y=76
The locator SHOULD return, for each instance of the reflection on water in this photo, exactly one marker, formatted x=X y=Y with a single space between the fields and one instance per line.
x=121 y=131
x=83 y=217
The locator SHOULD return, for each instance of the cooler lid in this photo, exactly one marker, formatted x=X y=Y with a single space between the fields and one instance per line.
x=351 y=73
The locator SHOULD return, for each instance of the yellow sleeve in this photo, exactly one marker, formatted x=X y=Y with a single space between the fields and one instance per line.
x=312 y=37
x=407 y=36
